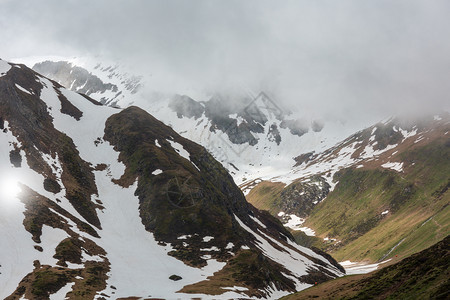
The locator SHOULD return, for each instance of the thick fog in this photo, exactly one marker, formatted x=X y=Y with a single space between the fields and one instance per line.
x=346 y=59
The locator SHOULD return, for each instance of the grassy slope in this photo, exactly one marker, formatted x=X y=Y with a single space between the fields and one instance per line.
x=352 y=213
x=248 y=268
x=425 y=275
x=266 y=196
x=208 y=203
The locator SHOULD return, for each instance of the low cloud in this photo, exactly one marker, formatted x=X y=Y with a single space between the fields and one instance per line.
x=353 y=60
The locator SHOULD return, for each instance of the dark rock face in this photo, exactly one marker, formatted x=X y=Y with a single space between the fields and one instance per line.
x=274 y=134
x=84 y=82
x=385 y=135
x=217 y=110
x=181 y=200
x=304 y=158
x=15 y=158
x=31 y=123
x=186 y=107
x=299 y=198
x=250 y=117
x=73 y=77
x=185 y=201
x=51 y=185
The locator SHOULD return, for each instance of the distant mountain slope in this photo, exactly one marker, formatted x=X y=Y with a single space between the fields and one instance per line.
x=100 y=202
x=425 y=275
x=108 y=83
x=382 y=192
x=249 y=133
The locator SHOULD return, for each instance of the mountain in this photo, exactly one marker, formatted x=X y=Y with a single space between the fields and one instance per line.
x=251 y=134
x=424 y=275
x=119 y=85
x=101 y=202
x=380 y=193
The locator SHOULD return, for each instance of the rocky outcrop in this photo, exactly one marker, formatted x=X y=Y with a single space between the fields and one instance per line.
x=80 y=205
x=30 y=121
x=299 y=198
x=241 y=120
x=194 y=196
x=74 y=77
x=186 y=107
x=109 y=90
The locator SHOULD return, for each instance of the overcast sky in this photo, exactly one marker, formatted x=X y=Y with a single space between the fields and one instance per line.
x=354 y=59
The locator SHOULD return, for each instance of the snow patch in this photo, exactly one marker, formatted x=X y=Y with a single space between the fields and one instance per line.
x=294 y=222
x=419 y=139
x=4 y=67
x=50 y=239
x=369 y=152
x=374 y=130
x=208 y=238
x=213 y=248
x=157 y=172
x=294 y=261
x=230 y=245
x=236 y=288
x=352 y=268
x=22 y=89
x=308 y=231
x=407 y=134
x=258 y=221
x=61 y=294
x=180 y=150
x=396 y=166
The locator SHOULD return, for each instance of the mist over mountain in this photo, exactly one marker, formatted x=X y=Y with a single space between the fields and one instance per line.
x=224 y=149
x=353 y=61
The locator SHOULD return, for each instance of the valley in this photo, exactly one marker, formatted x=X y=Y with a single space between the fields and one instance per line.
x=224 y=201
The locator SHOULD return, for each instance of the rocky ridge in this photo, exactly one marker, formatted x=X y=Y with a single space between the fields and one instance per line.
x=248 y=133
x=107 y=195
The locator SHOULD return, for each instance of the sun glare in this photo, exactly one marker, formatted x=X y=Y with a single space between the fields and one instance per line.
x=9 y=189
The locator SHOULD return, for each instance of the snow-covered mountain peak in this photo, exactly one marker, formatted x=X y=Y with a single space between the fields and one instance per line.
x=249 y=133
x=113 y=203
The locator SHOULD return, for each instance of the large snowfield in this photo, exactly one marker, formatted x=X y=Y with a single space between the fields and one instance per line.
x=139 y=266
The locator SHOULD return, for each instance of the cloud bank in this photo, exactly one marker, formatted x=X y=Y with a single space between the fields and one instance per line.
x=346 y=59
